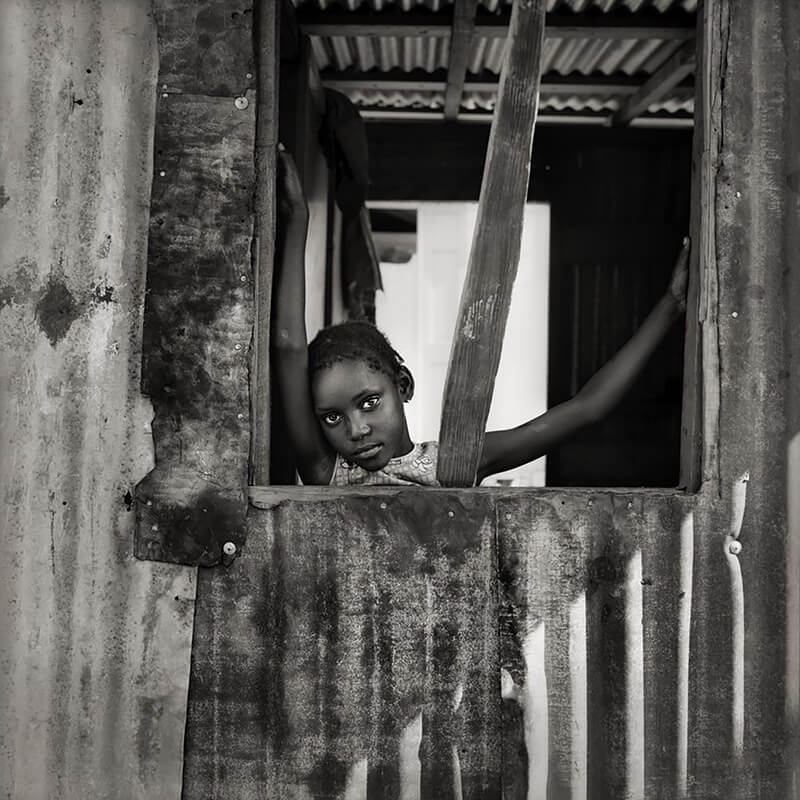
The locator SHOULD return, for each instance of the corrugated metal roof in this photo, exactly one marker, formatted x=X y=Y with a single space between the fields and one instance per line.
x=585 y=56
x=95 y=646
x=574 y=6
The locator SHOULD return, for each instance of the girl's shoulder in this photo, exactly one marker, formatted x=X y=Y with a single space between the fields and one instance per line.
x=415 y=468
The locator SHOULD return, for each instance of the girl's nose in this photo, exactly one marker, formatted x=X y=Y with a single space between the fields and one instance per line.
x=358 y=428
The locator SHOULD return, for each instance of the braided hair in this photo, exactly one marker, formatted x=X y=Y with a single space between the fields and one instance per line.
x=353 y=341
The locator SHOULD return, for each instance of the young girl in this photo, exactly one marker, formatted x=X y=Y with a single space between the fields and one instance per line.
x=344 y=393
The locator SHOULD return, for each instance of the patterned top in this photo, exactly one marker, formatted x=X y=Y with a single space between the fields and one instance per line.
x=415 y=468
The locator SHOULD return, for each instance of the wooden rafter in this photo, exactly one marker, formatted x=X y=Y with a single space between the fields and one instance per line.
x=460 y=45
x=666 y=26
x=494 y=256
x=397 y=80
x=677 y=67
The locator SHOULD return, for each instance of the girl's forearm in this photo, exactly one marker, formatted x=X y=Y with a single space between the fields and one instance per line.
x=609 y=384
x=289 y=331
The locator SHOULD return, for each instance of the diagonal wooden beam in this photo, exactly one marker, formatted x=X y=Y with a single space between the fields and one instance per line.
x=667 y=26
x=494 y=256
x=460 y=46
x=676 y=68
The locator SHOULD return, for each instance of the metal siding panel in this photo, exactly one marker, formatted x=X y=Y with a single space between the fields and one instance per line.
x=346 y=618
x=580 y=563
x=96 y=645
x=198 y=327
x=205 y=47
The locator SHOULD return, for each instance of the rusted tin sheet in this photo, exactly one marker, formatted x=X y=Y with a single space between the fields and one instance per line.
x=205 y=47
x=94 y=658
x=741 y=660
x=198 y=324
x=351 y=651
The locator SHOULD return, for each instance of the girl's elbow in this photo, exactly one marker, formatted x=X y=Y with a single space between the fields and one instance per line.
x=590 y=410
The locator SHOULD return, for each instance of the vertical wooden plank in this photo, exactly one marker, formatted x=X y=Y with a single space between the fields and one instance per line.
x=700 y=217
x=267 y=28
x=494 y=257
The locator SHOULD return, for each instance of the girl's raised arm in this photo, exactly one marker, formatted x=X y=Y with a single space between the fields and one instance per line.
x=315 y=458
x=503 y=450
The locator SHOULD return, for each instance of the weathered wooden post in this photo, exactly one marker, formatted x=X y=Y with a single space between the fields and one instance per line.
x=494 y=258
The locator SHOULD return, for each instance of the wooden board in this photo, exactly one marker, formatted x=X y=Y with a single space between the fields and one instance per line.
x=494 y=257
x=197 y=329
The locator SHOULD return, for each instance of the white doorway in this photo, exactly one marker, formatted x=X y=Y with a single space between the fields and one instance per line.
x=418 y=307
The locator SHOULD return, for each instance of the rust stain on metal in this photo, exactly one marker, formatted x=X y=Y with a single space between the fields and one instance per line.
x=56 y=310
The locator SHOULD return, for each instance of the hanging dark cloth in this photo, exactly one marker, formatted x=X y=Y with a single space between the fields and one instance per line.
x=344 y=143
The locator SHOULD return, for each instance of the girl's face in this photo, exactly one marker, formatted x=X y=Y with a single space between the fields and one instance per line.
x=361 y=412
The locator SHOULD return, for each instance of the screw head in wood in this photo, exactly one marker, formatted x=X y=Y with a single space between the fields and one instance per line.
x=241 y=102
x=735 y=547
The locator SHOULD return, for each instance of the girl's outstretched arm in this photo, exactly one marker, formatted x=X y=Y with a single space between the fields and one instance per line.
x=315 y=459
x=503 y=450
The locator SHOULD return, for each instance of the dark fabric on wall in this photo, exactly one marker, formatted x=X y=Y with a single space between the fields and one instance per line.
x=344 y=141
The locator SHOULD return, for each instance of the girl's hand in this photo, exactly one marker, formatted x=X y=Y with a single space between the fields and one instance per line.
x=292 y=205
x=680 y=276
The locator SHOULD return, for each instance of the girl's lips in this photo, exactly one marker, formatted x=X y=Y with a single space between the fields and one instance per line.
x=368 y=452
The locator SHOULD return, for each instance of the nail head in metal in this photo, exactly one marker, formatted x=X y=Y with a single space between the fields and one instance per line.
x=154 y=528
x=383 y=506
x=237 y=347
x=229 y=549
x=240 y=416
x=164 y=94
x=243 y=278
x=734 y=314
x=450 y=513
x=249 y=75
x=162 y=173
x=735 y=547
x=241 y=102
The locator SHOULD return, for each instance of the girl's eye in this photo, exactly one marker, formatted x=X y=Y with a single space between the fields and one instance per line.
x=370 y=402
x=332 y=418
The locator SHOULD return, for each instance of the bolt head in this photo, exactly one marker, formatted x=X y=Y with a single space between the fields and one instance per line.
x=241 y=102
x=229 y=549
x=735 y=547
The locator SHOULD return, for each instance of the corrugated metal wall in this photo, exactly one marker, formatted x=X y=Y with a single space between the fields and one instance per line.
x=96 y=645
x=448 y=643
